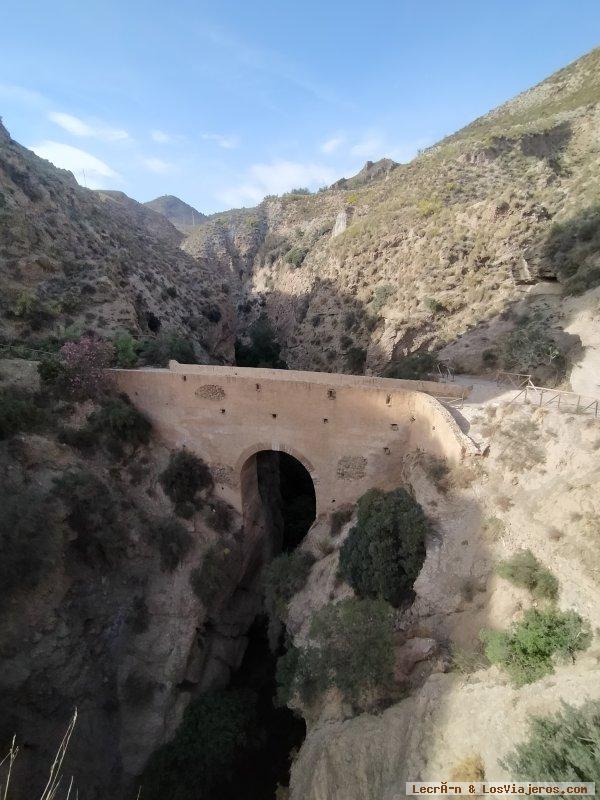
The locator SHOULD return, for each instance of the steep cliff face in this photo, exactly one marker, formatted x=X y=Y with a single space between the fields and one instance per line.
x=458 y=707
x=74 y=260
x=417 y=255
x=99 y=610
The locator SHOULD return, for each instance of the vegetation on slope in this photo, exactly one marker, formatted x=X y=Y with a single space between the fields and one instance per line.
x=384 y=552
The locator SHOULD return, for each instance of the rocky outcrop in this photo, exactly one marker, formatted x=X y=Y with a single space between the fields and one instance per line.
x=76 y=260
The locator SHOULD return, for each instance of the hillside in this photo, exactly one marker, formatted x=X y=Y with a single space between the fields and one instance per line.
x=75 y=260
x=183 y=216
x=354 y=278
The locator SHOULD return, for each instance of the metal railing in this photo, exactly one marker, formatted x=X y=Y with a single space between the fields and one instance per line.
x=543 y=397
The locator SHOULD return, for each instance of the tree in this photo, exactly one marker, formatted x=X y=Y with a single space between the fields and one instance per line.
x=350 y=647
x=385 y=550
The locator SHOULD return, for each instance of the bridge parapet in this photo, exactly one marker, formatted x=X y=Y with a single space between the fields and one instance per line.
x=351 y=432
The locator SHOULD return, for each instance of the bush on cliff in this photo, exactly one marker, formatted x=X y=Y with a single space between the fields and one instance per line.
x=119 y=420
x=414 y=367
x=18 y=412
x=92 y=515
x=350 y=647
x=263 y=349
x=172 y=540
x=218 y=733
x=30 y=538
x=185 y=475
x=523 y=569
x=561 y=747
x=385 y=550
x=527 y=651
x=283 y=578
x=157 y=352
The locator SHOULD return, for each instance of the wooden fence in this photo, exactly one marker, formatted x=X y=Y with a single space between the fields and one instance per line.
x=20 y=351
x=543 y=397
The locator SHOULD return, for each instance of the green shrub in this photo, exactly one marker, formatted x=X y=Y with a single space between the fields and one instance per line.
x=489 y=358
x=572 y=249
x=218 y=730
x=92 y=515
x=263 y=350
x=561 y=747
x=166 y=347
x=207 y=581
x=414 y=367
x=283 y=578
x=30 y=538
x=80 y=438
x=356 y=358
x=384 y=552
x=118 y=419
x=523 y=569
x=296 y=256
x=125 y=350
x=429 y=206
x=18 y=412
x=527 y=650
x=381 y=295
x=172 y=540
x=434 y=305
x=350 y=647
x=185 y=475
x=52 y=373
x=219 y=515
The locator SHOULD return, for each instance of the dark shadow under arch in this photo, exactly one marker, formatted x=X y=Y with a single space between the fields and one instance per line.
x=278 y=494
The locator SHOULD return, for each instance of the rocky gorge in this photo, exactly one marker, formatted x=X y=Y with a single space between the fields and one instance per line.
x=133 y=593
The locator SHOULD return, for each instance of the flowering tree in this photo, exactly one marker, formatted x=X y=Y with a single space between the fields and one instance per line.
x=84 y=364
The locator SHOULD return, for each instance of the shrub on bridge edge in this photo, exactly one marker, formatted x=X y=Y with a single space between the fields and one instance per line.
x=384 y=552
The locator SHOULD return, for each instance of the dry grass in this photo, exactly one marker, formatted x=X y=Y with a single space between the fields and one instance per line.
x=55 y=781
x=449 y=478
x=466 y=661
x=494 y=528
x=470 y=768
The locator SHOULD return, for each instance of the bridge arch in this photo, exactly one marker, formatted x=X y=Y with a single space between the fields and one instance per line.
x=278 y=495
x=277 y=448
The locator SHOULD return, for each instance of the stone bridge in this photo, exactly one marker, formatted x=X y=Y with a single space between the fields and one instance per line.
x=351 y=433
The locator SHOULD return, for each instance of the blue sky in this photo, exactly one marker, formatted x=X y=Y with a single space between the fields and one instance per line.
x=222 y=103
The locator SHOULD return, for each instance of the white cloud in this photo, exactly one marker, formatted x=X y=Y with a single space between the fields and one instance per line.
x=88 y=170
x=370 y=147
x=27 y=97
x=333 y=144
x=77 y=127
x=228 y=142
x=157 y=165
x=161 y=137
x=277 y=177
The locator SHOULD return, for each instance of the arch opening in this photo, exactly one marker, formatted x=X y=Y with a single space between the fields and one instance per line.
x=278 y=492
